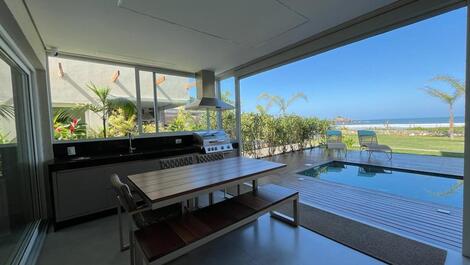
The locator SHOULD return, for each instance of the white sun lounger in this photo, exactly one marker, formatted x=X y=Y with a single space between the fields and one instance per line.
x=368 y=142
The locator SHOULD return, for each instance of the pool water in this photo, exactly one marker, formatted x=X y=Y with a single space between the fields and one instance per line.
x=433 y=188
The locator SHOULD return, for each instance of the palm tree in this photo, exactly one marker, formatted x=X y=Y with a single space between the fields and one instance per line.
x=281 y=102
x=107 y=104
x=448 y=98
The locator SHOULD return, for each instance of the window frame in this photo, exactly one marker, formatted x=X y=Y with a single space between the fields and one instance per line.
x=137 y=69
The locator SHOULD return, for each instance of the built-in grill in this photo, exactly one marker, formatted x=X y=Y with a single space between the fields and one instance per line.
x=213 y=141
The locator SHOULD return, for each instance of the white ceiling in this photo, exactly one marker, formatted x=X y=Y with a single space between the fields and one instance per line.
x=187 y=35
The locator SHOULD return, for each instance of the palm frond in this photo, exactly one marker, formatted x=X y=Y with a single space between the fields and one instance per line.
x=101 y=92
x=296 y=96
x=443 y=96
x=7 y=111
x=63 y=115
x=126 y=105
x=452 y=81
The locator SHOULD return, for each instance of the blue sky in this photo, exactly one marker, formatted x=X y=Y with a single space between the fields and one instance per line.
x=376 y=78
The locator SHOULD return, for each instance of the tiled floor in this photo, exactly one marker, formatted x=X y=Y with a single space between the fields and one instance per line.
x=265 y=241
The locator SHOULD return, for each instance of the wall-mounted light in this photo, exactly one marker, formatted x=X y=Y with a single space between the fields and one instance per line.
x=160 y=80
x=116 y=76
x=61 y=71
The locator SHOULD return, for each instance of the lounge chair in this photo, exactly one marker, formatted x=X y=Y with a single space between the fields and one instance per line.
x=334 y=141
x=368 y=142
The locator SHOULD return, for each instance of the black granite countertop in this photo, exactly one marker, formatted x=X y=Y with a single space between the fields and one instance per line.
x=104 y=159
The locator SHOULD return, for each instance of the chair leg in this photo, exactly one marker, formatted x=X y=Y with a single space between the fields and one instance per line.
x=131 y=242
x=121 y=236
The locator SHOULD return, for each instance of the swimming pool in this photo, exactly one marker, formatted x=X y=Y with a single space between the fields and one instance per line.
x=419 y=186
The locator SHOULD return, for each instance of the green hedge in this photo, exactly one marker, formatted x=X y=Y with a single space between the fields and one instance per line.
x=265 y=135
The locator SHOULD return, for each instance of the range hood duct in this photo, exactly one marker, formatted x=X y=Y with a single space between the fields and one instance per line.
x=206 y=96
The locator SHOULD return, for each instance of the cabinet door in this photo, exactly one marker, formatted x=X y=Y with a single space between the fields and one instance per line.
x=81 y=192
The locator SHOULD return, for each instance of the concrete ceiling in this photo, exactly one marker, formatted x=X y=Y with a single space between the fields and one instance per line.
x=187 y=35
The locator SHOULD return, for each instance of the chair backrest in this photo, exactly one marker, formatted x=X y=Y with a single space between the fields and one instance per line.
x=367 y=137
x=209 y=157
x=334 y=136
x=126 y=200
x=124 y=193
x=176 y=162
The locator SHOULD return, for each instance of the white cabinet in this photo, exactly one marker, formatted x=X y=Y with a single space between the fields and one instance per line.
x=84 y=191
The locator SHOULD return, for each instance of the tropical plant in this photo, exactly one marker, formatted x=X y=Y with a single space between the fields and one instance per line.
x=66 y=125
x=69 y=131
x=121 y=124
x=280 y=102
x=4 y=138
x=448 y=98
x=107 y=104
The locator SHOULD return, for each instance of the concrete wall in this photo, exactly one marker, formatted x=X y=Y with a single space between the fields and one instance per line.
x=69 y=87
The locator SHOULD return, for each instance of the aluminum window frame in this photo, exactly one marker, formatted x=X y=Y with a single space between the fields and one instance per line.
x=137 y=69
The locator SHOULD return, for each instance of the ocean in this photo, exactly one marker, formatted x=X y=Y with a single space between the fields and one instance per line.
x=433 y=122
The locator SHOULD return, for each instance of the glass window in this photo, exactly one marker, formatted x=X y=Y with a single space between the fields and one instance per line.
x=91 y=100
x=146 y=102
x=16 y=200
x=173 y=93
x=227 y=94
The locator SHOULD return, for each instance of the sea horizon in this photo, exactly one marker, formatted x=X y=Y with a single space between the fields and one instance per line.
x=427 y=120
x=402 y=123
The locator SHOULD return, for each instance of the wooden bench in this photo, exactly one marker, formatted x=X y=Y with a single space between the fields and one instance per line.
x=165 y=241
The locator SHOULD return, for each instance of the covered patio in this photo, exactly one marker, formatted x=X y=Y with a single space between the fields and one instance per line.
x=190 y=194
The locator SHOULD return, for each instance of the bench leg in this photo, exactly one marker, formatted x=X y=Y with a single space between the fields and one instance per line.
x=287 y=219
x=254 y=184
x=238 y=190
x=295 y=208
x=211 y=198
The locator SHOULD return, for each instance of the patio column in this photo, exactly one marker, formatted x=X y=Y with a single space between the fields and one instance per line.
x=466 y=190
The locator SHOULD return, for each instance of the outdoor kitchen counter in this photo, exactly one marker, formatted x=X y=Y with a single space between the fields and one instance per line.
x=91 y=161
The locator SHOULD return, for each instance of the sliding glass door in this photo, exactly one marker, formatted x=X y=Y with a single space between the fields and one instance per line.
x=17 y=209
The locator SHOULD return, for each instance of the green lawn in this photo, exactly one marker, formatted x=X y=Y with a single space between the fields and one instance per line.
x=425 y=145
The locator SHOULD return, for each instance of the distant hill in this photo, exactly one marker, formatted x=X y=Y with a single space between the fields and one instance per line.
x=341 y=120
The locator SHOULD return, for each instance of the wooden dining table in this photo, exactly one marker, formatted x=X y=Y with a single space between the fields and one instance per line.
x=168 y=186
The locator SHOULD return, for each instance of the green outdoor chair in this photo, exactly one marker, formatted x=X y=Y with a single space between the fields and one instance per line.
x=368 y=142
x=334 y=141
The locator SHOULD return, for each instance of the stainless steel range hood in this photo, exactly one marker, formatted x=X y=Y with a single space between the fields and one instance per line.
x=206 y=96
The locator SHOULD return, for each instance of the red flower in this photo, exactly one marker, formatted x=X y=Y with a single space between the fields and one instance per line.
x=73 y=125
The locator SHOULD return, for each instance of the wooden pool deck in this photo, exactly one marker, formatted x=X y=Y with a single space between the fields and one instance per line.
x=414 y=219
